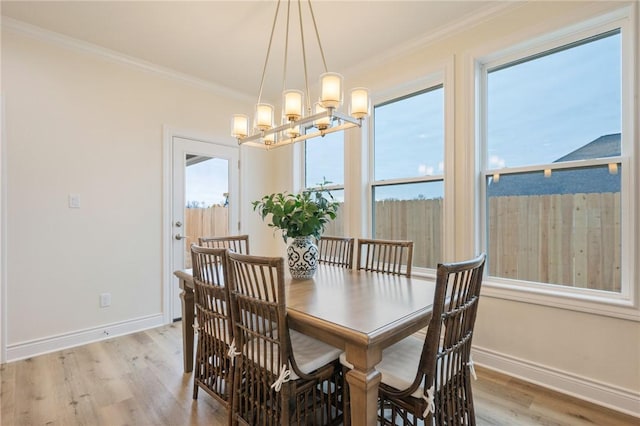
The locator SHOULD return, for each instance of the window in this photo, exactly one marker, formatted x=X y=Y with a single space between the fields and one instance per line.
x=408 y=184
x=324 y=162
x=553 y=175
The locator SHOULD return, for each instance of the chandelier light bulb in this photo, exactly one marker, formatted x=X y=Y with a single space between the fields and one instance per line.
x=293 y=132
x=331 y=90
x=324 y=122
x=264 y=116
x=359 y=102
x=293 y=104
x=239 y=126
x=269 y=138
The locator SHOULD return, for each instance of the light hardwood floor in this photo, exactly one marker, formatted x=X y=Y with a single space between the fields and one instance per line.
x=138 y=380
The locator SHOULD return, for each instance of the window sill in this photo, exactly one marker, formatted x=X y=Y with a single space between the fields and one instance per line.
x=606 y=305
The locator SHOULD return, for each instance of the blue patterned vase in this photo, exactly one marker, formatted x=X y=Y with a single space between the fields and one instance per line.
x=303 y=258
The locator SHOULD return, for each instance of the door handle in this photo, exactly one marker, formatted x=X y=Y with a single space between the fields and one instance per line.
x=180 y=237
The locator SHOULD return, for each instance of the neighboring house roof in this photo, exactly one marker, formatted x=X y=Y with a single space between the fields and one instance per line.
x=566 y=181
x=604 y=146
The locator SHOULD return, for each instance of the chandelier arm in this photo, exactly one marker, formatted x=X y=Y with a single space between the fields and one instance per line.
x=304 y=59
x=331 y=113
x=315 y=26
x=289 y=141
x=266 y=59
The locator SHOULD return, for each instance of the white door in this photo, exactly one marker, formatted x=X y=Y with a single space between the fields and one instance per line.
x=204 y=200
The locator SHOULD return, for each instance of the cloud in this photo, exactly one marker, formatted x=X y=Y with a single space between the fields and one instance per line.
x=424 y=170
x=496 y=162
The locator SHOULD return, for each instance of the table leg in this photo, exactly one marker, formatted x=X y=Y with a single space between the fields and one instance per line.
x=186 y=296
x=363 y=382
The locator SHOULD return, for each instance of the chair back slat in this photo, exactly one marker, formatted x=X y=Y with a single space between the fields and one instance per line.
x=336 y=251
x=386 y=256
x=235 y=243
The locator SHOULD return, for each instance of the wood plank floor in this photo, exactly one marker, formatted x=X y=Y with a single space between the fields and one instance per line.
x=138 y=380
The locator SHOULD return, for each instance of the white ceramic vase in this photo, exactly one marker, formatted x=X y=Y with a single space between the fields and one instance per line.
x=302 y=255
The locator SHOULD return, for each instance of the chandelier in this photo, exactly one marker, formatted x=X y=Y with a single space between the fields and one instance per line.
x=298 y=121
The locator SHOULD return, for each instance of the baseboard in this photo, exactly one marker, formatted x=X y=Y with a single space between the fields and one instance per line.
x=41 y=346
x=606 y=395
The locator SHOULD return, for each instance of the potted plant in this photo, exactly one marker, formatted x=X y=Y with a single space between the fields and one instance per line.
x=302 y=217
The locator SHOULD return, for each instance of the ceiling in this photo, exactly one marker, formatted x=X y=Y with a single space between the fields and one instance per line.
x=224 y=42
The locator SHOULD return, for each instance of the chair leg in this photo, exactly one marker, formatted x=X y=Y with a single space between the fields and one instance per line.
x=346 y=403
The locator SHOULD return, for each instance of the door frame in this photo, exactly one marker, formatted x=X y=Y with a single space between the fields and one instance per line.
x=169 y=133
x=3 y=233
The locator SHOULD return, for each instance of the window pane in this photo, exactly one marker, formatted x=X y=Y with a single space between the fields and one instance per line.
x=543 y=109
x=336 y=227
x=411 y=211
x=562 y=229
x=556 y=226
x=324 y=160
x=409 y=136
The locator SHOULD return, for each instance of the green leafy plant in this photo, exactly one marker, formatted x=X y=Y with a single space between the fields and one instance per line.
x=298 y=215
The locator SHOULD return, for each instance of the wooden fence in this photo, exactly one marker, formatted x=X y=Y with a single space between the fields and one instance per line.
x=417 y=220
x=207 y=222
x=570 y=239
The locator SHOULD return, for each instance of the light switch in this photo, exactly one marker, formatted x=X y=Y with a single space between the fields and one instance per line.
x=105 y=300
x=74 y=201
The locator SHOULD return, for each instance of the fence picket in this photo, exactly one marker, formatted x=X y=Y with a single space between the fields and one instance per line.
x=569 y=239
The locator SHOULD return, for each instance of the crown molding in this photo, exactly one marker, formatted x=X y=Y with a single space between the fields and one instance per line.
x=438 y=34
x=38 y=33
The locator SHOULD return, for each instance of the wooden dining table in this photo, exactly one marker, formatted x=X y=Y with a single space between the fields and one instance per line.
x=357 y=311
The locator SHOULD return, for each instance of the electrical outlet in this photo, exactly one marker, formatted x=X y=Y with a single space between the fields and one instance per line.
x=74 y=201
x=105 y=300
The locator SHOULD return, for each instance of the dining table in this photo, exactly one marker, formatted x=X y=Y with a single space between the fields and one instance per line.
x=358 y=311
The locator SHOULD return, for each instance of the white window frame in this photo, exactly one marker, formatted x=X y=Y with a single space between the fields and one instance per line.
x=624 y=304
x=442 y=75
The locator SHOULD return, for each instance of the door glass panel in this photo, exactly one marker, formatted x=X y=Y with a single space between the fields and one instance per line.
x=206 y=211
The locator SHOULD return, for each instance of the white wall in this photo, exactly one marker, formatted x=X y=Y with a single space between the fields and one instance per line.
x=79 y=123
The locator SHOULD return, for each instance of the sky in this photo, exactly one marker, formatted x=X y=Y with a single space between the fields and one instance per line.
x=569 y=99
x=207 y=181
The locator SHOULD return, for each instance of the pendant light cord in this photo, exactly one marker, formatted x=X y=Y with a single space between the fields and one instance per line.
x=266 y=59
x=315 y=27
x=304 y=59
x=286 y=49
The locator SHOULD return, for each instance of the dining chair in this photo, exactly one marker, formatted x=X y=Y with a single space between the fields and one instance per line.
x=237 y=243
x=429 y=379
x=281 y=376
x=336 y=251
x=387 y=256
x=213 y=369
